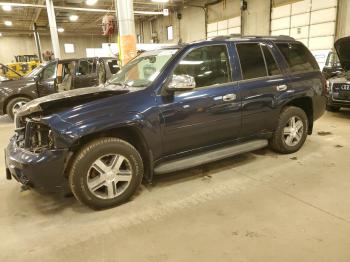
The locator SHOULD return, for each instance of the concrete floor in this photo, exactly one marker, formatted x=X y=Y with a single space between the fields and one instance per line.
x=259 y=206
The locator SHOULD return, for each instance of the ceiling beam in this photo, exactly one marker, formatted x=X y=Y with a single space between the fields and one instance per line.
x=79 y=9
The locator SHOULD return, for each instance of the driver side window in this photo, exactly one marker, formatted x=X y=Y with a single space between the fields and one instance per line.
x=209 y=65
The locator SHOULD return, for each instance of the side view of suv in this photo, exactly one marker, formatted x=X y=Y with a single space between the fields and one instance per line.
x=52 y=77
x=168 y=110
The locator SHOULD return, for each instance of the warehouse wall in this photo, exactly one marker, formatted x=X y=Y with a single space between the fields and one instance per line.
x=343 y=25
x=192 y=25
x=19 y=45
x=222 y=11
x=159 y=26
x=256 y=19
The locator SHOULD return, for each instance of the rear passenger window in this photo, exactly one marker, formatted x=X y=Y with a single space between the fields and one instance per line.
x=271 y=65
x=252 y=60
x=298 y=57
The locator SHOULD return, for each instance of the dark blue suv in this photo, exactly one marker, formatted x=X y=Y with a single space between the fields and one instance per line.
x=168 y=110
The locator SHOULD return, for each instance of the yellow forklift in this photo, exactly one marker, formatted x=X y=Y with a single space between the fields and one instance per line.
x=24 y=64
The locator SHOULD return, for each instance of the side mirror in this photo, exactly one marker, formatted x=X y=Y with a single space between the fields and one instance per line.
x=37 y=78
x=181 y=83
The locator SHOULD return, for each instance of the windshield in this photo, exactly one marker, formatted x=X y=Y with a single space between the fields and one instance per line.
x=144 y=69
x=35 y=71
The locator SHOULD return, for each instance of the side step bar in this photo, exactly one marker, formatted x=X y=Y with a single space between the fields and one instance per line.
x=210 y=156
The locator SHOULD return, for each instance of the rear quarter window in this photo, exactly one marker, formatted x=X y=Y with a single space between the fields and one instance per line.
x=298 y=57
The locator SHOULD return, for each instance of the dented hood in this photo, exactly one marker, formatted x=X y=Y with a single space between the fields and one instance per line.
x=71 y=98
x=342 y=46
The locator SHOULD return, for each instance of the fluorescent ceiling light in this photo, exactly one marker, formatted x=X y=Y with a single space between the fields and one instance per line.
x=73 y=18
x=160 y=1
x=8 y=23
x=60 y=29
x=7 y=8
x=91 y=2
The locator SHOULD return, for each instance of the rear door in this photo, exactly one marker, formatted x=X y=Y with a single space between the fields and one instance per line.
x=86 y=73
x=261 y=84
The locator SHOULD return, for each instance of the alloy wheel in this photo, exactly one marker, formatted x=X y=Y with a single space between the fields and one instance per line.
x=17 y=106
x=109 y=176
x=293 y=131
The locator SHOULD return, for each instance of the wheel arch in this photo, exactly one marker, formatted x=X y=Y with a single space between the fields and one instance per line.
x=305 y=103
x=8 y=99
x=130 y=134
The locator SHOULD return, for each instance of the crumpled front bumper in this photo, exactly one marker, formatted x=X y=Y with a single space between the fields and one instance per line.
x=42 y=171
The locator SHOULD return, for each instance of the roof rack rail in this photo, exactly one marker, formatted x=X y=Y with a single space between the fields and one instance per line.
x=227 y=37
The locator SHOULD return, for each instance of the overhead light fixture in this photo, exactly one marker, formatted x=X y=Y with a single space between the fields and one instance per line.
x=8 y=23
x=7 y=8
x=0 y=34
x=73 y=18
x=91 y=2
x=160 y=1
x=60 y=29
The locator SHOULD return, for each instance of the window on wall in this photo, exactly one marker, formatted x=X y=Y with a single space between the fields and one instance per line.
x=225 y=27
x=170 y=32
x=69 y=48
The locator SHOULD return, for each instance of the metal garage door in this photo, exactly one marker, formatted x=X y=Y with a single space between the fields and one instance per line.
x=225 y=27
x=312 y=22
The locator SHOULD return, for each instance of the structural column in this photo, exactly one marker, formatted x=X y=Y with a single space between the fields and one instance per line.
x=53 y=28
x=37 y=43
x=126 y=26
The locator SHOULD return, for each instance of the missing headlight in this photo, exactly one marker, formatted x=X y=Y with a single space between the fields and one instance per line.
x=38 y=137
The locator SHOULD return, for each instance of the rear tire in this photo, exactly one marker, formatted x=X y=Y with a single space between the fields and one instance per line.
x=105 y=173
x=333 y=108
x=291 y=131
x=14 y=105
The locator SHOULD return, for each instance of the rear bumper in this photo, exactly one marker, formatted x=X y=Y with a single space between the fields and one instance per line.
x=44 y=171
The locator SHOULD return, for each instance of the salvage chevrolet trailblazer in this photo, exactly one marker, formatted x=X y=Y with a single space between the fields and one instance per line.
x=168 y=110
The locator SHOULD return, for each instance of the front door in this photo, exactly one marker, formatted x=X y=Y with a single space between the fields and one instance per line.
x=208 y=114
x=46 y=83
x=262 y=82
x=86 y=73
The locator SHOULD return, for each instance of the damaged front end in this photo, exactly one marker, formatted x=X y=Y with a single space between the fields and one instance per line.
x=33 y=157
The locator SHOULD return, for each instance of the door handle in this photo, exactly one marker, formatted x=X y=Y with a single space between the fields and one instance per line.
x=281 y=88
x=229 y=97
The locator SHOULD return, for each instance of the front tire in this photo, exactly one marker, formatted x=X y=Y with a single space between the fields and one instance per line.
x=14 y=105
x=291 y=131
x=105 y=173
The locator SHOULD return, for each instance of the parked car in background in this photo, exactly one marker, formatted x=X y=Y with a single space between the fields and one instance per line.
x=332 y=67
x=52 y=77
x=339 y=85
x=165 y=111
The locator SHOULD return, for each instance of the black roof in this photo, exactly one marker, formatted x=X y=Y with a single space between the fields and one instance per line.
x=261 y=37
